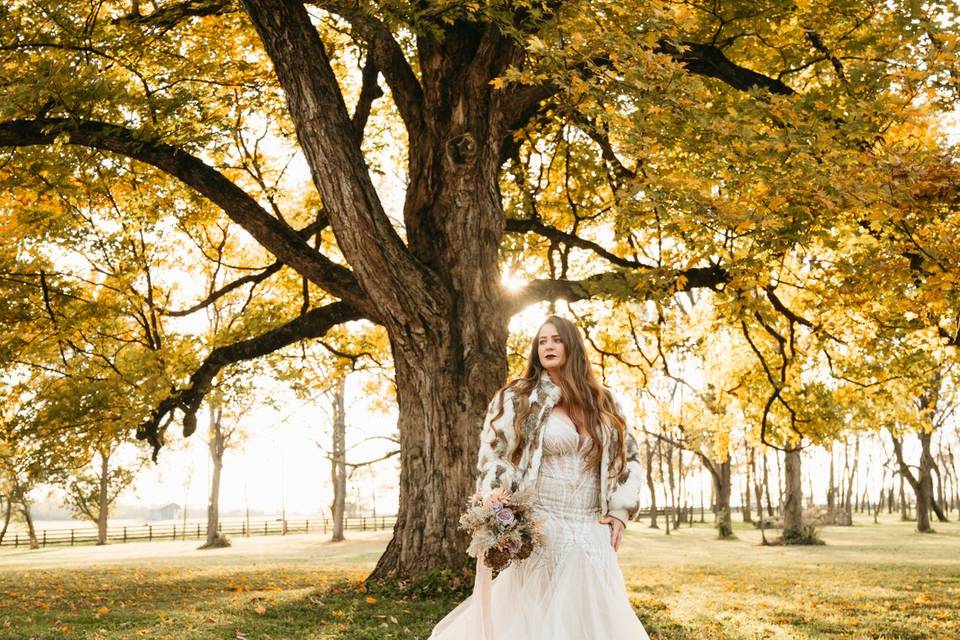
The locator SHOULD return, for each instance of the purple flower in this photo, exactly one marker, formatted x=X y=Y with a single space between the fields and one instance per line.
x=496 y=505
x=505 y=516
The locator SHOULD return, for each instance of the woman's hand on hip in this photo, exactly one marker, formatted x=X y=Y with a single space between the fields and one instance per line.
x=616 y=531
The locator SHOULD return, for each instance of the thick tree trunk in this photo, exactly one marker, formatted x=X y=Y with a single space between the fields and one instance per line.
x=924 y=485
x=793 y=530
x=103 y=509
x=338 y=460
x=440 y=397
x=437 y=291
x=721 y=485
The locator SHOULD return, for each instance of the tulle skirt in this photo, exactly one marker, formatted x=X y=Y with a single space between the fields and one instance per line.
x=571 y=589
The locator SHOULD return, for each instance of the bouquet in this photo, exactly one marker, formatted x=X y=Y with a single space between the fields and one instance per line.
x=502 y=526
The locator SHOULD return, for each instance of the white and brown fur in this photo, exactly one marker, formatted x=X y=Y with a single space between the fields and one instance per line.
x=618 y=497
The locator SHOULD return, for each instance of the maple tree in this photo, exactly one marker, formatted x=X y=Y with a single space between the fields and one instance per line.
x=601 y=150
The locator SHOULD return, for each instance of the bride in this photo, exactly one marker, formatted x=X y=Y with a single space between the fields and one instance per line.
x=558 y=432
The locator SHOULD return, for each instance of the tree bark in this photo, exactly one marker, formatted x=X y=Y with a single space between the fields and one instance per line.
x=793 y=530
x=338 y=460
x=437 y=293
x=721 y=478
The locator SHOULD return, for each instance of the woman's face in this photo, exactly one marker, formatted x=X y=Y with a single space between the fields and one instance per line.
x=550 y=348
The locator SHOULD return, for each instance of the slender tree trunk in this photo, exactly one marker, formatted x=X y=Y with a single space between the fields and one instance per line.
x=672 y=514
x=338 y=460
x=103 y=510
x=7 y=512
x=891 y=498
x=28 y=519
x=832 y=488
x=757 y=486
x=681 y=470
x=648 y=449
x=766 y=485
x=793 y=531
x=666 y=498
x=904 y=514
x=217 y=446
x=781 y=483
x=747 y=515
x=851 y=464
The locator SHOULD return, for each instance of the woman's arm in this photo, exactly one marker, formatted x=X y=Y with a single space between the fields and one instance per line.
x=623 y=502
x=496 y=441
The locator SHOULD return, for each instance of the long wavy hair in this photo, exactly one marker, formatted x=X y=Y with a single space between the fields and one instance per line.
x=586 y=401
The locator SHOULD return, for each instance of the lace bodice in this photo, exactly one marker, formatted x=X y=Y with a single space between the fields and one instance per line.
x=568 y=502
x=566 y=487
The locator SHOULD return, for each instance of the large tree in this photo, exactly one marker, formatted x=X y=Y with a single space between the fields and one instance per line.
x=709 y=138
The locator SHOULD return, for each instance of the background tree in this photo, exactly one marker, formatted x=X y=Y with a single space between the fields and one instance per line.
x=92 y=493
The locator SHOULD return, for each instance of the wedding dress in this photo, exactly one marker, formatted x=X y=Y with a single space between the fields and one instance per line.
x=570 y=588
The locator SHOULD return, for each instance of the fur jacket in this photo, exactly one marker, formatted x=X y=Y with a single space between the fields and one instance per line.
x=620 y=499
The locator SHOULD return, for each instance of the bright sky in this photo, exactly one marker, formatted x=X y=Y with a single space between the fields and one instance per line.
x=280 y=461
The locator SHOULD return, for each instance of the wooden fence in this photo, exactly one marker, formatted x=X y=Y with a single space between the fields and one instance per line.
x=195 y=531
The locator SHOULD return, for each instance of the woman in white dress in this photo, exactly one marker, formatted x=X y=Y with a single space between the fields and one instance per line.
x=558 y=432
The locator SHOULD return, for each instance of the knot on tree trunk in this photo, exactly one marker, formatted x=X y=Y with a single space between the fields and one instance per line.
x=462 y=149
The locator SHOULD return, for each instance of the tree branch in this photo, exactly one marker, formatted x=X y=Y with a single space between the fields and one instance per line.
x=254 y=278
x=709 y=60
x=313 y=324
x=526 y=225
x=612 y=283
x=277 y=237
x=369 y=91
x=383 y=264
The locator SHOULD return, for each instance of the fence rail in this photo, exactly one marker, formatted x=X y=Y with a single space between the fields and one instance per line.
x=195 y=531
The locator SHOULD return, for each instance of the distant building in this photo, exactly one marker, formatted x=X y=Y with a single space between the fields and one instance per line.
x=166 y=512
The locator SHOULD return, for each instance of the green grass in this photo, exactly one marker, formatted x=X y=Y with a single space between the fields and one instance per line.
x=868 y=581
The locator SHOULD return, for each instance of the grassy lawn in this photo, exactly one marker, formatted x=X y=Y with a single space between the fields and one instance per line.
x=869 y=581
